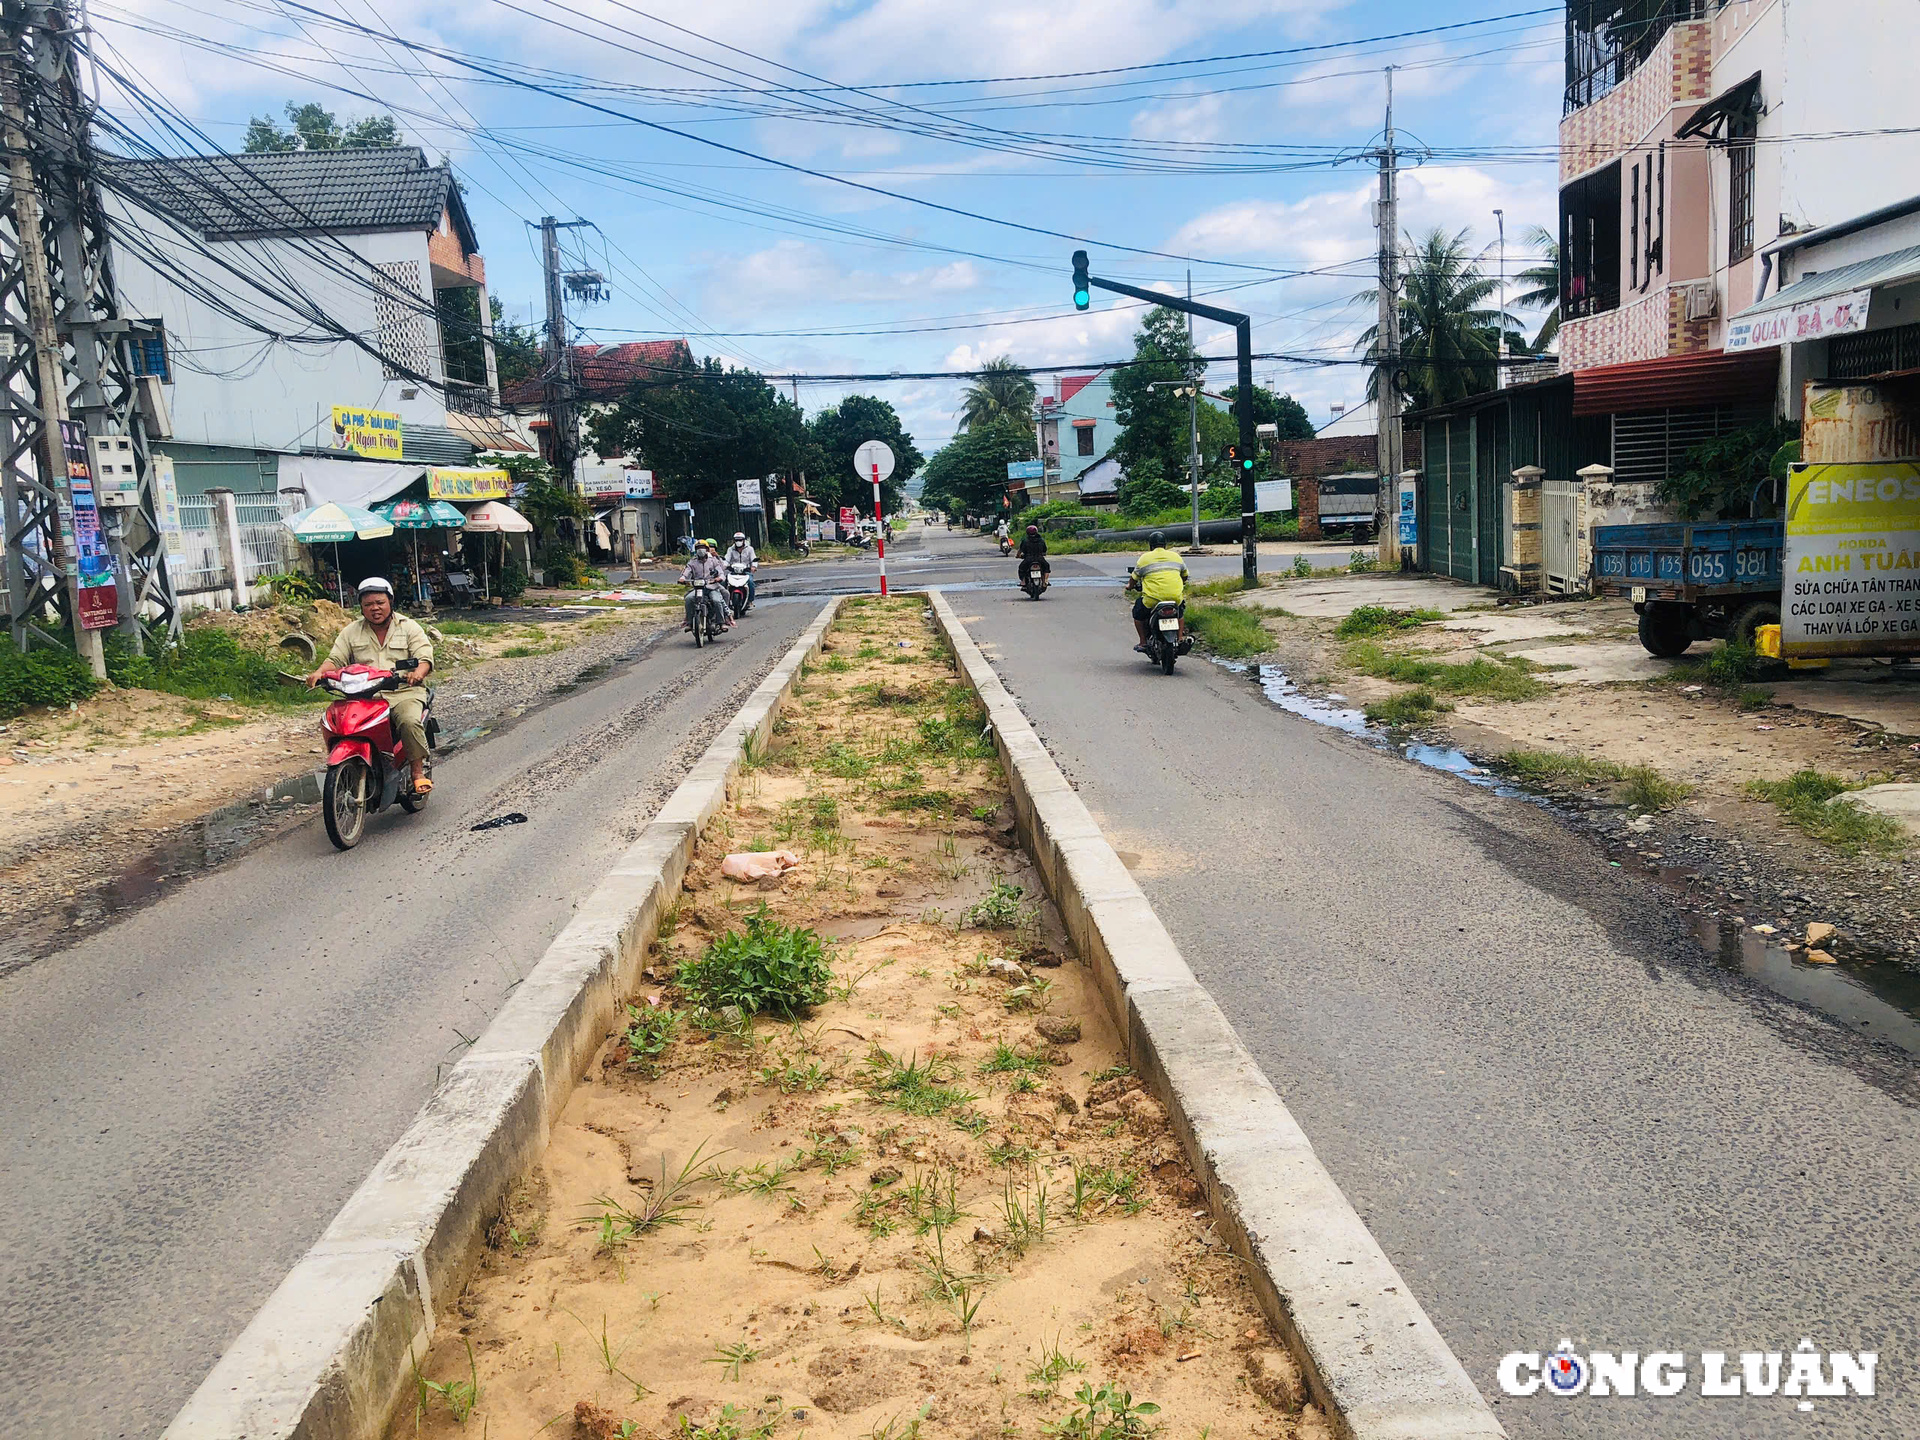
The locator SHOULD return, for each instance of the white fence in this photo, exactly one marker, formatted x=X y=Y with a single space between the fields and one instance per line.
x=197 y=566
x=269 y=546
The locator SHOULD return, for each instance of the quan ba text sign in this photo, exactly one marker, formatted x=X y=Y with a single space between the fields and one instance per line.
x=1852 y=561
x=374 y=433
x=1815 y=320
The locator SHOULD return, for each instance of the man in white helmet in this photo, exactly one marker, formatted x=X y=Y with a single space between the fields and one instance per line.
x=386 y=641
x=741 y=553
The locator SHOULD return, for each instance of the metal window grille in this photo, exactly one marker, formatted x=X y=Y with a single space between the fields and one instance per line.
x=1740 y=190
x=1083 y=439
x=1654 y=446
x=1873 y=352
x=269 y=546
x=400 y=321
x=149 y=352
x=197 y=564
x=1607 y=40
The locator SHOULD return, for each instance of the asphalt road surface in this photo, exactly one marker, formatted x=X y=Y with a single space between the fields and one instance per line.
x=1556 y=1113
x=192 y=1093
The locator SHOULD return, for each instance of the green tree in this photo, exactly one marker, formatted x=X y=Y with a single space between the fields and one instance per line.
x=1542 y=280
x=1003 y=389
x=1449 y=338
x=1281 y=410
x=314 y=127
x=968 y=475
x=1146 y=491
x=1728 y=478
x=1154 y=425
x=837 y=433
x=516 y=348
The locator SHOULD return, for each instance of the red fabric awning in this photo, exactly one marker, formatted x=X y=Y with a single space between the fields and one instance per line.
x=1679 y=382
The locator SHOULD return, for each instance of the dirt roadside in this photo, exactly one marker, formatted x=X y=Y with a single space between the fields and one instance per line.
x=935 y=1204
x=1551 y=693
x=104 y=804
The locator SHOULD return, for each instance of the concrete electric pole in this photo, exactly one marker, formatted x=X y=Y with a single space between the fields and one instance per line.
x=1387 y=383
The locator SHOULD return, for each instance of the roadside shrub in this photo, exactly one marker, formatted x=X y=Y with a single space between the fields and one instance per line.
x=45 y=676
x=294 y=588
x=1493 y=679
x=206 y=664
x=1378 y=619
x=1228 y=630
x=765 y=969
x=1813 y=803
x=513 y=580
x=1411 y=707
x=1645 y=788
x=560 y=565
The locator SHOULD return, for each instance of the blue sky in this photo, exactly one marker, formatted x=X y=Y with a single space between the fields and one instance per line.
x=738 y=254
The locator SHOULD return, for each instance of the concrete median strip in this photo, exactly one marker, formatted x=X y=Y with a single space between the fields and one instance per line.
x=332 y=1352
x=1371 y=1356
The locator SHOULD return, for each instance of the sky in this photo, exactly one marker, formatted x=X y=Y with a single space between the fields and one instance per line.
x=778 y=182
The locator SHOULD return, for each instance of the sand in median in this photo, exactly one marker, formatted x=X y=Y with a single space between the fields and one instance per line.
x=936 y=1204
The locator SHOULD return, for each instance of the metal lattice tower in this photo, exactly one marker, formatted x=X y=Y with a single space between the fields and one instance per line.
x=66 y=354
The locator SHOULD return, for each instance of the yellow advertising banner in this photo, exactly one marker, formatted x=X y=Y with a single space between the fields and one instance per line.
x=445 y=482
x=373 y=433
x=1852 y=561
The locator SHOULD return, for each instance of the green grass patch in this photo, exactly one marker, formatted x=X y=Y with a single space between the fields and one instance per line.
x=45 y=676
x=1411 y=707
x=1229 y=630
x=915 y=1086
x=207 y=664
x=1378 y=620
x=765 y=968
x=1509 y=678
x=1813 y=803
x=465 y=629
x=1639 y=786
x=1214 y=589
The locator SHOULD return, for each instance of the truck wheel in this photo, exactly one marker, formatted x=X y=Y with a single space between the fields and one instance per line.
x=1663 y=629
x=1746 y=621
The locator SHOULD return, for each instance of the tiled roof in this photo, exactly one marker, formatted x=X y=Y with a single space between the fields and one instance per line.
x=237 y=197
x=605 y=371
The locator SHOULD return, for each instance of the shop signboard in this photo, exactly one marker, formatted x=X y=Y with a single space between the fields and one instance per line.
x=747 y=492
x=1272 y=495
x=89 y=563
x=445 y=482
x=1026 y=469
x=639 y=484
x=373 y=433
x=1814 y=320
x=849 y=518
x=1852 y=561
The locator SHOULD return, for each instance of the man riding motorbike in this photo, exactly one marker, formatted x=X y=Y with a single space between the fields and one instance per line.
x=1159 y=575
x=740 y=553
x=705 y=569
x=1000 y=532
x=1033 y=549
x=387 y=641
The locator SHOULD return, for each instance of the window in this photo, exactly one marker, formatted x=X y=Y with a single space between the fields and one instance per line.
x=400 y=326
x=1740 y=134
x=1083 y=440
x=1633 y=234
x=1590 y=244
x=148 y=349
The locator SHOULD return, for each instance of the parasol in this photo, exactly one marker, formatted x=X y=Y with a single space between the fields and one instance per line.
x=419 y=515
x=333 y=522
x=496 y=517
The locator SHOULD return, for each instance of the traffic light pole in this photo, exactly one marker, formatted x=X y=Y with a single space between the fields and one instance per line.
x=1243 y=334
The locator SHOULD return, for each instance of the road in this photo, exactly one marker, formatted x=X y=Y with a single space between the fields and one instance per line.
x=1558 y=1116
x=192 y=1093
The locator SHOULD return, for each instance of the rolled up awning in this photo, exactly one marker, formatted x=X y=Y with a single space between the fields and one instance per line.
x=1679 y=382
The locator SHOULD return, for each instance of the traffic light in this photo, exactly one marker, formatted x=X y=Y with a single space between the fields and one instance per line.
x=1082 y=286
x=1239 y=459
x=1233 y=455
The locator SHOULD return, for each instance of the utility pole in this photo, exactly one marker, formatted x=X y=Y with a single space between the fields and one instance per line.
x=1387 y=385
x=1193 y=425
x=556 y=364
x=795 y=532
x=71 y=384
x=1500 y=375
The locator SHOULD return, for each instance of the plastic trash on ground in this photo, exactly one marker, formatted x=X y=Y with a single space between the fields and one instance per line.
x=758 y=864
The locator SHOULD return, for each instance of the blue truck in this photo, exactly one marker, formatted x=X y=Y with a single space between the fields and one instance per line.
x=1693 y=580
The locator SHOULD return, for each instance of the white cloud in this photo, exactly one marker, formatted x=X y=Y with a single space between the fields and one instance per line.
x=1200 y=117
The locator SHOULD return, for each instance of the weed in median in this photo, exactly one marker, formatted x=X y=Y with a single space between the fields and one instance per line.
x=1108 y=1413
x=1814 y=803
x=1501 y=679
x=1024 y=1208
x=928 y=1206
x=650 y=1029
x=457 y=1396
x=1369 y=620
x=913 y=1086
x=793 y=1076
x=766 y=968
x=1104 y=1185
x=665 y=1204
x=1006 y=1060
x=1004 y=908
x=1055 y=1365
x=730 y=1358
x=1228 y=630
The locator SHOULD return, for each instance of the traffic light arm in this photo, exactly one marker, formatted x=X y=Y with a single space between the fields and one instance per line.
x=1249 y=441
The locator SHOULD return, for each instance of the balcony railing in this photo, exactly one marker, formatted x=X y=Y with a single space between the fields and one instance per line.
x=1607 y=40
x=464 y=398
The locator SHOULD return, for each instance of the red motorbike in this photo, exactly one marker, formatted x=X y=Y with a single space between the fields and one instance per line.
x=367 y=767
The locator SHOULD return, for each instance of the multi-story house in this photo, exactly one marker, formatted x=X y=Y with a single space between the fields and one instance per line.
x=1076 y=428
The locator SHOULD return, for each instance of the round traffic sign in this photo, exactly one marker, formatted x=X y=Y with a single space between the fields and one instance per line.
x=870 y=454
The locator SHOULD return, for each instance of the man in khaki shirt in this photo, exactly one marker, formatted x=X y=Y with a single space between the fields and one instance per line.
x=387 y=641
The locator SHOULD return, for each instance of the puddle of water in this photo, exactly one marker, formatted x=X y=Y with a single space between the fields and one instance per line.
x=1869 y=994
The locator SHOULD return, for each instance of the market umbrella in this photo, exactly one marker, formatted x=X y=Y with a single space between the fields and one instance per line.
x=331 y=523
x=417 y=515
x=496 y=517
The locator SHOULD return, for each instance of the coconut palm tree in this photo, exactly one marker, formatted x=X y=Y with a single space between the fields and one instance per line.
x=1449 y=336
x=1542 y=280
x=1003 y=389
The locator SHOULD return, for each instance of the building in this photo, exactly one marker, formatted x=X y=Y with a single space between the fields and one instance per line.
x=1076 y=428
x=603 y=374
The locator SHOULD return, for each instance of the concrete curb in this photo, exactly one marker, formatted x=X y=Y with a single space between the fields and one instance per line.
x=1371 y=1356
x=331 y=1353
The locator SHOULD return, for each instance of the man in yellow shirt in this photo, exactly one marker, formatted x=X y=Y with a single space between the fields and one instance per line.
x=387 y=641
x=1159 y=575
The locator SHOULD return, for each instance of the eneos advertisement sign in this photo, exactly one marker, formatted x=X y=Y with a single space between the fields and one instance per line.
x=1852 y=561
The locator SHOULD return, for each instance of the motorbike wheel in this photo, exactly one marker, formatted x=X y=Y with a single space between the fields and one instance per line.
x=344 y=801
x=699 y=627
x=411 y=803
x=1168 y=654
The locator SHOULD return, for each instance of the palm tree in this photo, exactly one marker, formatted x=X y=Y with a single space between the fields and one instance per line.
x=1543 y=282
x=1449 y=338
x=1004 y=389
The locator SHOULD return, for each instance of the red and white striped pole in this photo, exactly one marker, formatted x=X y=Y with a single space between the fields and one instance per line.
x=880 y=538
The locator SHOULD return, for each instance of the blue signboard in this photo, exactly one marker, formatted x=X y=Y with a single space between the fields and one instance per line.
x=1025 y=469
x=1408 y=525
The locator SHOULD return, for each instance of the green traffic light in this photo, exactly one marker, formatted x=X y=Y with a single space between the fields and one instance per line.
x=1246 y=464
x=1082 y=299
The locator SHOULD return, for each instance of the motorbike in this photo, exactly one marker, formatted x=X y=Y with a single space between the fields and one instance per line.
x=1006 y=545
x=700 y=617
x=1164 y=641
x=1035 y=582
x=367 y=767
x=739 y=589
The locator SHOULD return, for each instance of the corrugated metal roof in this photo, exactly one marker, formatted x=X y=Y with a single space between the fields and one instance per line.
x=434 y=445
x=1679 y=382
x=1893 y=269
x=236 y=197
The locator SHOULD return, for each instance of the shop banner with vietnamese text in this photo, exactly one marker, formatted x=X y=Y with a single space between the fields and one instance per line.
x=1852 y=561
